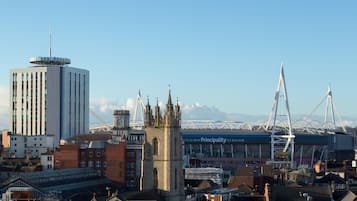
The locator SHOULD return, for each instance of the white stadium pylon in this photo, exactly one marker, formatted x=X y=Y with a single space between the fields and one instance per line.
x=139 y=111
x=282 y=136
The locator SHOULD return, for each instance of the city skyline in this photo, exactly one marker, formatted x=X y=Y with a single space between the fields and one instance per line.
x=219 y=55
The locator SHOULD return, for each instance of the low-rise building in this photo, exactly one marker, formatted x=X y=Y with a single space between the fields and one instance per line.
x=47 y=160
x=96 y=151
x=21 y=146
x=68 y=184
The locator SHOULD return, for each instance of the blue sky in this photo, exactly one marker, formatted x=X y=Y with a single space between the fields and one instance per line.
x=225 y=54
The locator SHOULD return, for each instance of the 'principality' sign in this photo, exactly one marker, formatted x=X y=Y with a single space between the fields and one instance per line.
x=213 y=140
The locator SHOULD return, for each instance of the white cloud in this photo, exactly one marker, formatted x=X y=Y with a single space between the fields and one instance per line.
x=104 y=105
x=130 y=104
x=196 y=111
x=103 y=109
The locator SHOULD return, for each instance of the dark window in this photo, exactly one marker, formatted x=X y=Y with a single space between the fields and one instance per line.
x=155 y=145
x=83 y=164
x=98 y=164
x=130 y=154
x=176 y=179
x=155 y=173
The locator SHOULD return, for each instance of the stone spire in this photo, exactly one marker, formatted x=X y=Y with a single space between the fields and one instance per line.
x=177 y=110
x=157 y=120
x=169 y=106
x=148 y=115
x=171 y=115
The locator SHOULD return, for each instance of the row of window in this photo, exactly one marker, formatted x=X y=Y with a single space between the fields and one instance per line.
x=98 y=154
x=26 y=145
x=90 y=164
x=14 y=139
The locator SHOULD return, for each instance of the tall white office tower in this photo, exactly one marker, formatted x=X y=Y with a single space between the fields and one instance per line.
x=49 y=98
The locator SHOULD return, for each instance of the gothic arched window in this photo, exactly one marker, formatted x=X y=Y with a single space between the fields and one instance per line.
x=155 y=145
x=155 y=177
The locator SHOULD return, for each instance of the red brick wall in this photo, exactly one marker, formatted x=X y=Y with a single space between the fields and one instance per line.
x=115 y=158
x=67 y=156
x=22 y=195
x=111 y=160
x=130 y=169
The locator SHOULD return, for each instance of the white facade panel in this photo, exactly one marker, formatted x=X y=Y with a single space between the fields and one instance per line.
x=47 y=161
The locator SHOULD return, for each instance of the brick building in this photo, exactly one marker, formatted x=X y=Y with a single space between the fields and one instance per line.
x=95 y=151
x=115 y=160
x=67 y=156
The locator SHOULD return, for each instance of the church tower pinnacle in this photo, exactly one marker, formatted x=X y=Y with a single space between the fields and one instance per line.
x=148 y=115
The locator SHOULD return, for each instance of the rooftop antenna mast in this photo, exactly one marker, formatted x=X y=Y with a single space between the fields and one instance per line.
x=50 y=48
x=282 y=137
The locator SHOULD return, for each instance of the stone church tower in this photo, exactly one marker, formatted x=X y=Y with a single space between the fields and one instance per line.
x=162 y=162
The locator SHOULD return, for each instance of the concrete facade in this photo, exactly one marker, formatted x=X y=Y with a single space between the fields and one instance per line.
x=162 y=153
x=49 y=98
x=47 y=161
x=29 y=146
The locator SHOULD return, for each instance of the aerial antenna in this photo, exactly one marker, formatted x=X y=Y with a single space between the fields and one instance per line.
x=50 y=48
